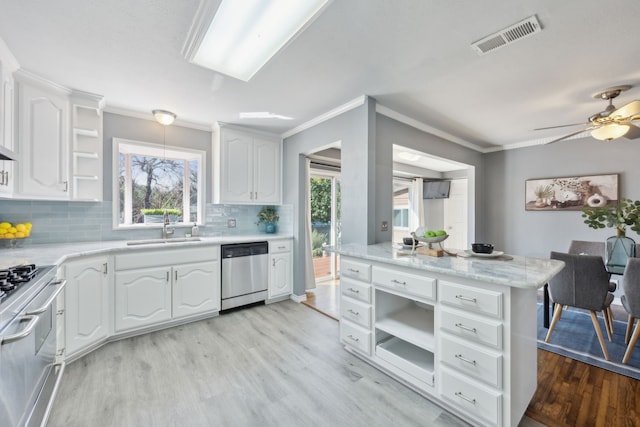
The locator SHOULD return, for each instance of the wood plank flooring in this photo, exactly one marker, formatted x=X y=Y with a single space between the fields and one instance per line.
x=273 y=365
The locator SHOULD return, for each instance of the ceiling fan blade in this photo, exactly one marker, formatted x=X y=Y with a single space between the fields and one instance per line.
x=633 y=132
x=567 y=136
x=561 y=126
x=629 y=110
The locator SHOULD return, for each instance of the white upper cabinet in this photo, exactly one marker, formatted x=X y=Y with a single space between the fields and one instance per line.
x=8 y=65
x=247 y=166
x=59 y=141
x=43 y=138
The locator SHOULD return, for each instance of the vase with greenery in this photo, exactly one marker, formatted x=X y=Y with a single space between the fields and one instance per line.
x=543 y=193
x=269 y=216
x=619 y=247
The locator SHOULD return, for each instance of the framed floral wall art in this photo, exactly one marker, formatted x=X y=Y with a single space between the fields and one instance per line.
x=571 y=193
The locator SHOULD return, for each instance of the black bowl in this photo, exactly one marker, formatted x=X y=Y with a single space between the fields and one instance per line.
x=408 y=241
x=482 y=248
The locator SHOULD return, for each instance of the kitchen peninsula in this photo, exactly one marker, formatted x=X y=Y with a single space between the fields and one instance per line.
x=459 y=330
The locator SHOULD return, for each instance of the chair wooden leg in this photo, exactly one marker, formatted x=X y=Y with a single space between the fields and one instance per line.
x=632 y=343
x=627 y=334
x=557 y=312
x=596 y=326
x=611 y=319
x=606 y=314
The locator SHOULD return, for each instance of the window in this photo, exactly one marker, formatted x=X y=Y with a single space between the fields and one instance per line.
x=150 y=177
x=401 y=217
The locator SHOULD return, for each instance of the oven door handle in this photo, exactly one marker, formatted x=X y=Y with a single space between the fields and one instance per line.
x=49 y=300
x=33 y=321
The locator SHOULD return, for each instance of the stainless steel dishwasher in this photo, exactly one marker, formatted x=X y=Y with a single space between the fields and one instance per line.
x=245 y=273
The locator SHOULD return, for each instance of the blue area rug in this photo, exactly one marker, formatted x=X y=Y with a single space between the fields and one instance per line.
x=575 y=337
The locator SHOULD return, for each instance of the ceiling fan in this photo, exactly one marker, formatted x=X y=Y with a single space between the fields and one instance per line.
x=612 y=122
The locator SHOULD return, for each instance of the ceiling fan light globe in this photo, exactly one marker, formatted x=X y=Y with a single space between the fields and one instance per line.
x=610 y=132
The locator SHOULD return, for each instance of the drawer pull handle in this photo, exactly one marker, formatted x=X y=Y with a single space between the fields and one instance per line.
x=463 y=298
x=397 y=282
x=466 y=328
x=281 y=247
x=355 y=313
x=355 y=291
x=463 y=397
x=353 y=338
x=464 y=359
x=354 y=270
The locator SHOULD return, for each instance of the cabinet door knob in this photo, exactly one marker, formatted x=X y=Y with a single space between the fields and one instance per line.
x=66 y=186
x=105 y=268
x=168 y=277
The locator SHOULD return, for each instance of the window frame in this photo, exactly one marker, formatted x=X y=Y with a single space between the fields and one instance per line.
x=158 y=150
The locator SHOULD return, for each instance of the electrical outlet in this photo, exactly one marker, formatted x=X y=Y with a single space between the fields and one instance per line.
x=384 y=226
x=231 y=223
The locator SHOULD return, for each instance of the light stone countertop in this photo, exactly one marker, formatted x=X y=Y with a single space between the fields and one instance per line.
x=519 y=272
x=56 y=254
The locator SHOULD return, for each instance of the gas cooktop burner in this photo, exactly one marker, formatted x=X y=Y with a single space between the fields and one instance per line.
x=12 y=278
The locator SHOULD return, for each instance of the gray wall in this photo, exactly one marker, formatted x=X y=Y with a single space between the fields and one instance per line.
x=357 y=140
x=118 y=126
x=536 y=233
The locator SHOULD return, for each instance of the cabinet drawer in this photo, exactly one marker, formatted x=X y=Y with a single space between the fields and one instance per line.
x=469 y=298
x=355 y=336
x=357 y=290
x=414 y=284
x=355 y=311
x=475 y=399
x=472 y=327
x=355 y=269
x=480 y=363
x=278 y=246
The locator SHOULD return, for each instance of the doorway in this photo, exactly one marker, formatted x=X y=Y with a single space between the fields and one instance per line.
x=324 y=213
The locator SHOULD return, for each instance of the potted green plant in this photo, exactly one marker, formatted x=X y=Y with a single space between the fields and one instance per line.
x=619 y=247
x=156 y=215
x=269 y=216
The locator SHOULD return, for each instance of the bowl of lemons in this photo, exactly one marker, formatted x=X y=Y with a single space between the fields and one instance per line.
x=10 y=231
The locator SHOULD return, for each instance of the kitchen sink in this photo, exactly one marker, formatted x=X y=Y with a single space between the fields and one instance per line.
x=156 y=241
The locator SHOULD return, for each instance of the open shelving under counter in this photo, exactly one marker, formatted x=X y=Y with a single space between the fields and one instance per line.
x=460 y=332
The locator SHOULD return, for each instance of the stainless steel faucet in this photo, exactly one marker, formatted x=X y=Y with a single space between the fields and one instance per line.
x=166 y=229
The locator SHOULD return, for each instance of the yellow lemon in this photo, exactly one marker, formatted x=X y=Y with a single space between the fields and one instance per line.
x=11 y=230
x=20 y=235
x=27 y=233
x=9 y=236
x=28 y=225
x=4 y=225
x=20 y=227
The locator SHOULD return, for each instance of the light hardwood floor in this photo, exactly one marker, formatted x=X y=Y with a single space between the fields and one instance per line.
x=273 y=365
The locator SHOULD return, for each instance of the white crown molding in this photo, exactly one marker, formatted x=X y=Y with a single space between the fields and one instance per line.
x=23 y=75
x=149 y=116
x=386 y=111
x=326 y=116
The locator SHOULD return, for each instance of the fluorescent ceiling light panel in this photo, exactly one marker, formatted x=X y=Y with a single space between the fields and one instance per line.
x=263 y=115
x=245 y=35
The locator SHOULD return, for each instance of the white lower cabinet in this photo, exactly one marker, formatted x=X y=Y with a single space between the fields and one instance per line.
x=460 y=342
x=193 y=288
x=86 y=303
x=142 y=297
x=154 y=286
x=280 y=268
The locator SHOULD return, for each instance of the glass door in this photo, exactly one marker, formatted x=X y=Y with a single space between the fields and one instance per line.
x=325 y=223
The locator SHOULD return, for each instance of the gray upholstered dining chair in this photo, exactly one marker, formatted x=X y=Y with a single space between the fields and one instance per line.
x=582 y=283
x=583 y=247
x=631 y=303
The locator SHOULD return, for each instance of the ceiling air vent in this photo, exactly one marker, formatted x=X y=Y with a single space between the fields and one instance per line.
x=510 y=34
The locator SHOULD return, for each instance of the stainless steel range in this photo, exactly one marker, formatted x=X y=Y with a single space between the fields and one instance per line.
x=29 y=375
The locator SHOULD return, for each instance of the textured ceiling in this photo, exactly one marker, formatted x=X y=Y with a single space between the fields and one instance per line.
x=413 y=56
